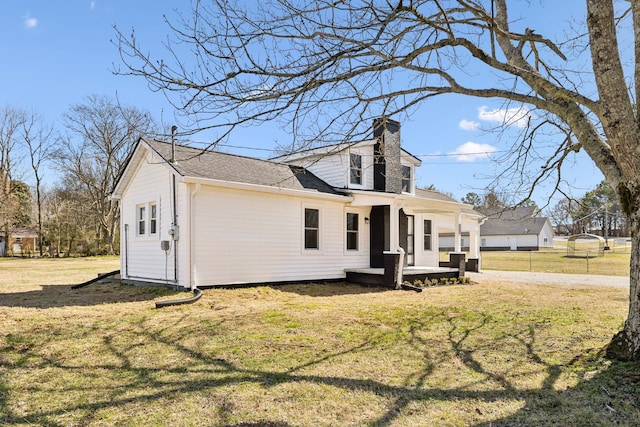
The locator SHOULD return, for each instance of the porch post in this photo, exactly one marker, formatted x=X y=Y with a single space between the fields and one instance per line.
x=473 y=242
x=456 y=234
x=394 y=227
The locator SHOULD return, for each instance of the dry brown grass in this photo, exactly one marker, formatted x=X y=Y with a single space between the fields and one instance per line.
x=312 y=355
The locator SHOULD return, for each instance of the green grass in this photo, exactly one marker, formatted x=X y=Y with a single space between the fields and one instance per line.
x=614 y=263
x=308 y=355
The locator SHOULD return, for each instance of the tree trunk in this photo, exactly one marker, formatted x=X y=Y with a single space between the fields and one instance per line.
x=625 y=345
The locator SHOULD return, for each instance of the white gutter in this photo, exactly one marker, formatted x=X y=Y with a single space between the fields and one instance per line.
x=267 y=189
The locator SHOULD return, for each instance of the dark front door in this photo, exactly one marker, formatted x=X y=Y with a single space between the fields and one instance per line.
x=379 y=235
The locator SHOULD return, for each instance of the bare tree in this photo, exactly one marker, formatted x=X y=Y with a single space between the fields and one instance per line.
x=100 y=135
x=561 y=216
x=327 y=67
x=69 y=219
x=11 y=119
x=38 y=139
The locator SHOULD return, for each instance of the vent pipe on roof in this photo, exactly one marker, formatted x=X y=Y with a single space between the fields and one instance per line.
x=174 y=128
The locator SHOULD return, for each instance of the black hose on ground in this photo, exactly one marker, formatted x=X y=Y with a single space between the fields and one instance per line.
x=100 y=277
x=410 y=288
x=197 y=293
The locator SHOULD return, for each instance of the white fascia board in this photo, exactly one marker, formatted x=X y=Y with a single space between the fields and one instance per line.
x=364 y=198
x=130 y=171
x=137 y=158
x=415 y=204
x=410 y=158
x=267 y=189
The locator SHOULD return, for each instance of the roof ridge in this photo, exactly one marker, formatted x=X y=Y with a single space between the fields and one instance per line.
x=210 y=151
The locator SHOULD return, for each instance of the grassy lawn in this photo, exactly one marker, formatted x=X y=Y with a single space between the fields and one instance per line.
x=614 y=263
x=485 y=354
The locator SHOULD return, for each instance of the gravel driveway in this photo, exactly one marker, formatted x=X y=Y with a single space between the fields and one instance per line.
x=550 y=278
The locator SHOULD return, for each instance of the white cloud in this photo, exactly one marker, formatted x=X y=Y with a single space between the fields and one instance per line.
x=468 y=125
x=472 y=151
x=30 y=23
x=92 y=5
x=511 y=116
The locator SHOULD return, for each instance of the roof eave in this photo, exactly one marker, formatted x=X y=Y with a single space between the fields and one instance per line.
x=267 y=189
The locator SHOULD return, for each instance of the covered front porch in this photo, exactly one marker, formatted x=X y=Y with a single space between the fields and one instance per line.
x=413 y=224
x=392 y=274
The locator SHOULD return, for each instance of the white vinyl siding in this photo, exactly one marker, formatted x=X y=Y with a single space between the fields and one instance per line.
x=140 y=254
x=335 y=168
x=259 y=237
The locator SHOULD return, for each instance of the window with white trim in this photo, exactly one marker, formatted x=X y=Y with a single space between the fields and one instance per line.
x=406 y=179
x=142 y=220
x=355 y=169
x=311 y=228
x=147 y=219
x=427 y=235
x=153 y=219
x=352 y=231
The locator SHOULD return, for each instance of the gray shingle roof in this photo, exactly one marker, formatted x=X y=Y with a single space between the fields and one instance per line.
x=199 y=163
x=432 y=194
x=513 y=221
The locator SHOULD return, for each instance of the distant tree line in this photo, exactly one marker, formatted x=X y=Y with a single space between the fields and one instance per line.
x=70 y=171
x=597 y=212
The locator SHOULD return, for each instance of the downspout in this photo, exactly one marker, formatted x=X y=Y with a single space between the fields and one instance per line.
x=192 y=266
x=174 y=225
x=197 y=293
x=126 y=250
x=175 y=228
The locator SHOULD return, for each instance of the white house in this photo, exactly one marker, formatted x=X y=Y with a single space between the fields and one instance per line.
x=520 y=229
x=195 y=218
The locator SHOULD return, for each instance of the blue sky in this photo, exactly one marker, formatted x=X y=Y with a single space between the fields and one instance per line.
x=55 y=54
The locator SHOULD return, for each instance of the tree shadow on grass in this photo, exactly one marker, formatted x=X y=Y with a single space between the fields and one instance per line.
x=329 y=289
x=608 y=396
x=50 y=296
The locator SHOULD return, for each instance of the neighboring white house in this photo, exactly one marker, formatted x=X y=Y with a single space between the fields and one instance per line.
x=520 y=229
x=203 y=218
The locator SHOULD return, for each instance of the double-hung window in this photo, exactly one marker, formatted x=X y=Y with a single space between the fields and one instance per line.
x=352 y=231
x=427 y=235
x=153 y=218
x=311 y=228
x=355 y=169
x=147 y=219
x=406 y=179
x=142 y=219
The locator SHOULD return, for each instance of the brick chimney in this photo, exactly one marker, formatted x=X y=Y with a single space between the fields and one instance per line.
x=387 y=168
